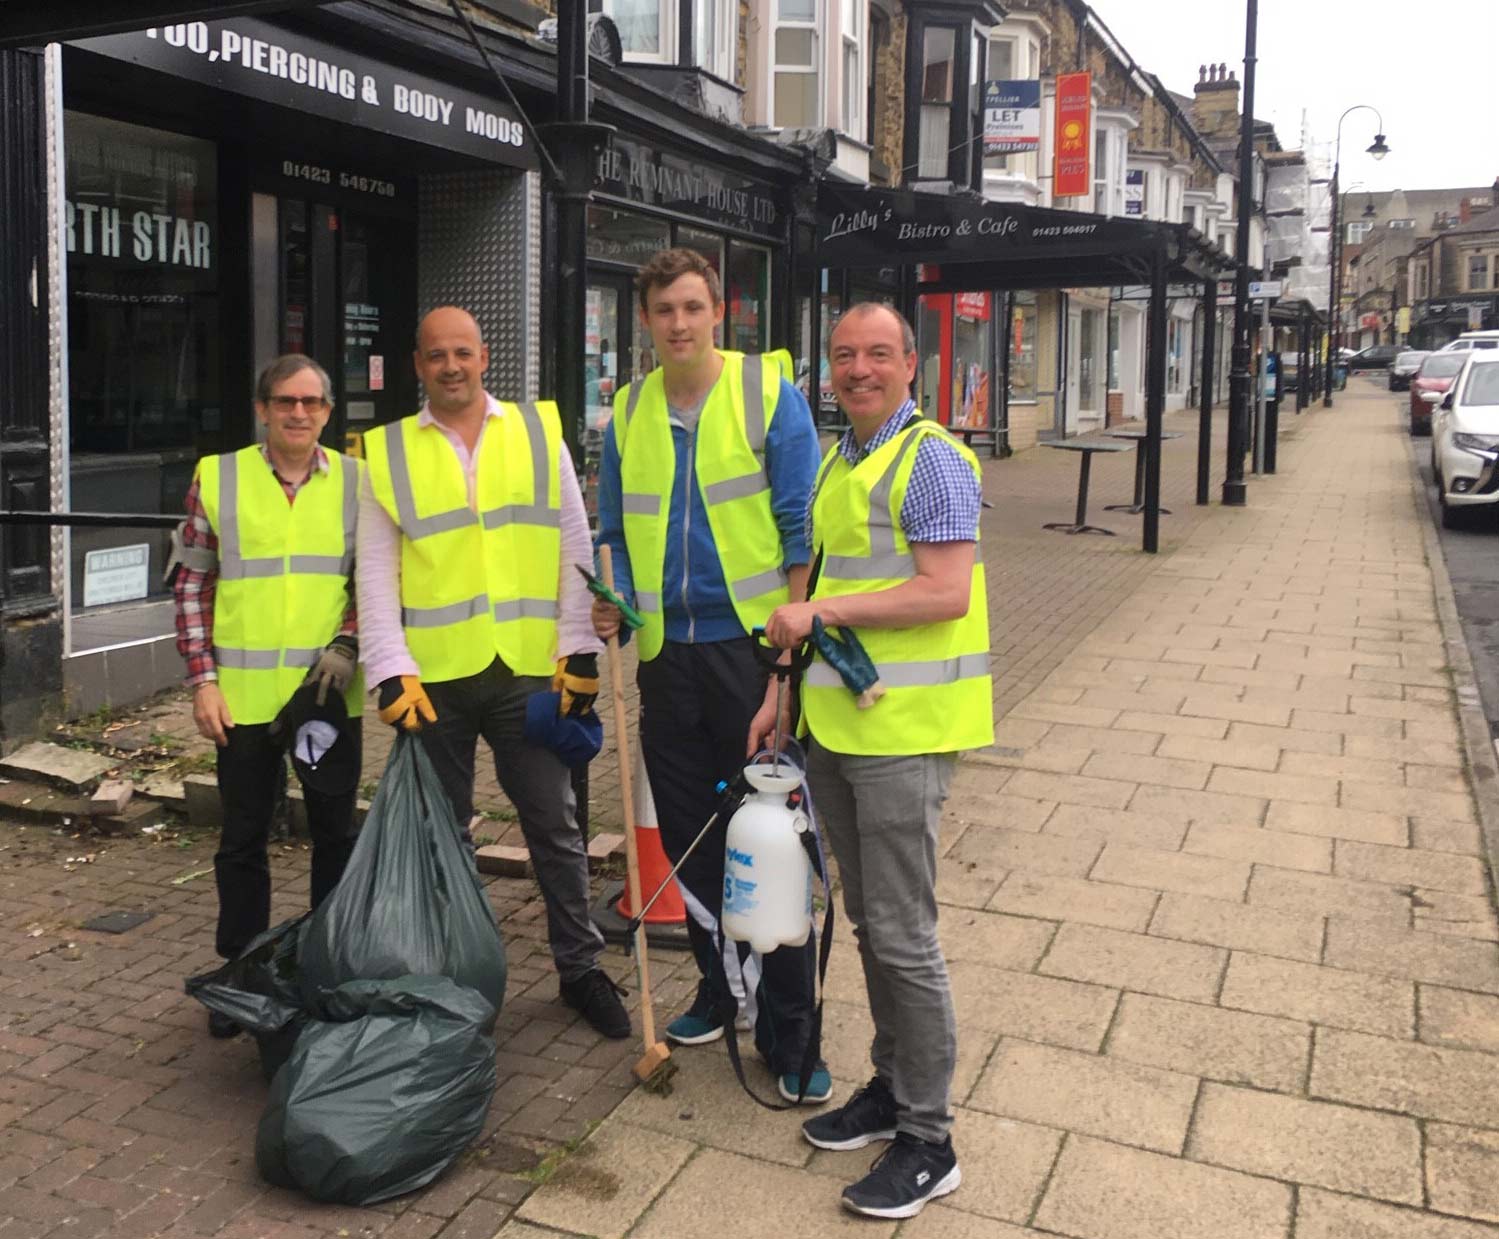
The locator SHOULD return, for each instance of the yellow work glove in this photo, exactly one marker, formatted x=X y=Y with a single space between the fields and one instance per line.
x=404 y=703
x=577 y=679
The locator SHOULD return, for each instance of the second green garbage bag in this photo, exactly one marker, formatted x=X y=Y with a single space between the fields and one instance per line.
x=409 y=902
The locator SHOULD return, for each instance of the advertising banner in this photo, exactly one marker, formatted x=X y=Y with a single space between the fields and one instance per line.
x=1012 y=117
x=1134 y=192
x=1073 y=173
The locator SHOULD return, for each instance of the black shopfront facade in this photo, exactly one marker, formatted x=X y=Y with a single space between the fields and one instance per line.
x=224 y=191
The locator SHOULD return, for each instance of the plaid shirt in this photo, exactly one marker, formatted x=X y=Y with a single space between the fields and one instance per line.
x=194 y=590
x=943 y=498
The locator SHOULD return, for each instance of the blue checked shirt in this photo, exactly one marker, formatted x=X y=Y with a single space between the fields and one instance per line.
x=942 y=496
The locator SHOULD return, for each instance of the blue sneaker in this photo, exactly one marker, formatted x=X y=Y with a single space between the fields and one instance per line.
x=694 y=1027
x=819 y=1086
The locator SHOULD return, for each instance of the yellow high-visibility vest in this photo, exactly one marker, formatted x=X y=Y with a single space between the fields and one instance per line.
x=728 y=449
x=476 y=583
x=940 y=696
x=284 y=570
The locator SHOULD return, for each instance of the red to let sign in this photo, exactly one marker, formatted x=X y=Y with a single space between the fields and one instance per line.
x=1072 y=173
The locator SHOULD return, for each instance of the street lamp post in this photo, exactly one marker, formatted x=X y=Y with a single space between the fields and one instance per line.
x=1335 y=291
x=1234 y=491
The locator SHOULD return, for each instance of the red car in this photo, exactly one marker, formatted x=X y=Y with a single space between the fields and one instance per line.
x=1436 y=374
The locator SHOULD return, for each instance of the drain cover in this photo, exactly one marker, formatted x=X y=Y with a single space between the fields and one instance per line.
x=117 y=922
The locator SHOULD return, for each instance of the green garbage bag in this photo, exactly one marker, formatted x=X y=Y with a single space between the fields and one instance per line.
x=381 y=1098
x=259 y=990
x=409 y=902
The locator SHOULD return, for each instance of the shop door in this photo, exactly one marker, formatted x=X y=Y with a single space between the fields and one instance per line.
x=611 y=360
x=1067 y=414
x=339 y=285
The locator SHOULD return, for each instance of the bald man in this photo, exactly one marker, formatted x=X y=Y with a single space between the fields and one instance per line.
x=470 y=523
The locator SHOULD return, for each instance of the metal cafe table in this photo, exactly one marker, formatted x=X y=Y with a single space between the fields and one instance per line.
x=1087 y=447
x=1138 y=435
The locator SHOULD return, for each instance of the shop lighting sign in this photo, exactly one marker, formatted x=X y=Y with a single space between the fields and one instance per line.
x=264 y=62
x=1012 y=117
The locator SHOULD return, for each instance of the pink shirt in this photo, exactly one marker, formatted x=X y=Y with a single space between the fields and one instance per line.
x=382 y=643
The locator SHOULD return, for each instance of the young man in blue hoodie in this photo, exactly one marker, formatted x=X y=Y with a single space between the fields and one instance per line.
x=708 y=465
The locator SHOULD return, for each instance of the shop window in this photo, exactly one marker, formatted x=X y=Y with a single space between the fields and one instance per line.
x=1478 y=272
x=1022 y=345
x=142 y=239
x=1087 y=360
x=938 y=54
x=798 y=103
x=647 y=28
x=748 y=294
x=1175 y=354
x=972 y=361
x=625 y=237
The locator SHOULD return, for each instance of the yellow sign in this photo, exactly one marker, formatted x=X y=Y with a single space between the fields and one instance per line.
x=1403 y=320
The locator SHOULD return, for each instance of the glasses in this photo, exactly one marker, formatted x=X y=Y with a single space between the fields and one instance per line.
x=288 y=404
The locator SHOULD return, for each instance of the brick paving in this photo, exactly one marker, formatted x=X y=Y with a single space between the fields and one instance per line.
x=1216 y=907
x=1220 y=933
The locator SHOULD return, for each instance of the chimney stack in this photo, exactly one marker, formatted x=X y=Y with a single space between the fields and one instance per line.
x=1215 y=104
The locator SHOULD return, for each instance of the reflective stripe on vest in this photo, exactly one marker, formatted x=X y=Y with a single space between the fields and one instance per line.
x=476 y=585
x=283 y=587
x=728 y=447
x=939 y=690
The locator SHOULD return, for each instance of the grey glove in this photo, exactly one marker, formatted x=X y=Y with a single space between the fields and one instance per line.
x=335 y=667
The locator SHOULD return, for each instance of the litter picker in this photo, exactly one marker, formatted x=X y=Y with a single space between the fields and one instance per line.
x=655 y=1065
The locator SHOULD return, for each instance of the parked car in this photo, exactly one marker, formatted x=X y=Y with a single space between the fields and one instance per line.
x=1375 y=357
x=1471 y=340
x=1404 y=367
x=1435 y=375
x=1465 y=439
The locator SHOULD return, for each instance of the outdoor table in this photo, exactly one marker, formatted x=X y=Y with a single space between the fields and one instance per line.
x=1139 y=435
x=1087 y=447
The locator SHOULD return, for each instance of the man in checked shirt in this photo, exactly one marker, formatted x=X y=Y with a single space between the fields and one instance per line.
x=264 y=590
x=894 y=536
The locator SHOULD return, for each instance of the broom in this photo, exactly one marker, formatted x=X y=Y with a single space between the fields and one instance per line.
x=655 y=1066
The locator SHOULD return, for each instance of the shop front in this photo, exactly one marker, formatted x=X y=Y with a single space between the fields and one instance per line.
x=647 y=199
x=232 y=190
x=1440 y=321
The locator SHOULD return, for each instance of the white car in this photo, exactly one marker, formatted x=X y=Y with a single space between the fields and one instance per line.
x=1465 y=438
x=1472 y=340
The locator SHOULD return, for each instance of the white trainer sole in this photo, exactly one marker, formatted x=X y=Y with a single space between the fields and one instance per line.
x=701 y=1039
x=856 y=1142
x=945 y=1186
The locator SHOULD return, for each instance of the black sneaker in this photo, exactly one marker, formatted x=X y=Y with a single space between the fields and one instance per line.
x=596 y=995
x=221 y=1027
x=867 y=1116
x=904 y=1177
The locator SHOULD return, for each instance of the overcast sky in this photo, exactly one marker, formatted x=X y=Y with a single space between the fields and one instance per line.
x=1429 y=68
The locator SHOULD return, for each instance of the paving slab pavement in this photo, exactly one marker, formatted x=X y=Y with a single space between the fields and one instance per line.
x=1218 y=914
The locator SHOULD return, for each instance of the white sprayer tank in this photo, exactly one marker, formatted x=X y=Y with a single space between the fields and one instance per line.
x=767 y=885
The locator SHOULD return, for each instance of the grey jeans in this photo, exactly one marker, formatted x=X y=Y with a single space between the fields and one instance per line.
x=492 y=704
x=880 y=815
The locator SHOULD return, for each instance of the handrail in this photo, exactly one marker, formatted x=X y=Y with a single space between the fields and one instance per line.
x=94 y=520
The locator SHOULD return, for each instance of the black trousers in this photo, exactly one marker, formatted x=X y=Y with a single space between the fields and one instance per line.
x=696 y=703
x=250 y=769
x=492 y=704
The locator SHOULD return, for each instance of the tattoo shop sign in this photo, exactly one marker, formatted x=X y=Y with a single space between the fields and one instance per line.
x=261 y=61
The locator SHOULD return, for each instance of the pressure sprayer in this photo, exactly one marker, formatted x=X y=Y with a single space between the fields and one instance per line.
x=767 y=881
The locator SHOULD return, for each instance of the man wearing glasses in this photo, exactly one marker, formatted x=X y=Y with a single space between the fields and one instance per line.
x=263 y=580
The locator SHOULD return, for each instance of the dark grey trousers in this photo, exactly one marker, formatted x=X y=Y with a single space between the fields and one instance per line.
x=880 y=815
x=492 y=704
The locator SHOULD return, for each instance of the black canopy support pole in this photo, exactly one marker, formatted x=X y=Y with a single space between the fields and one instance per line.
x=1234 y=490
x=1205 y=407
x=1155 y=400
x=577 y=143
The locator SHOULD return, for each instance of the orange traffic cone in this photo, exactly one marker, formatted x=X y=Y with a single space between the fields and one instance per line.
x=667 y=910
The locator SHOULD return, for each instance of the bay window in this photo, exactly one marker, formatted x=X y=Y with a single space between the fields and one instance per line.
x=798 y=101
x=854 y=84
x=938 y=53
x=647 y=28
x=715 y=30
